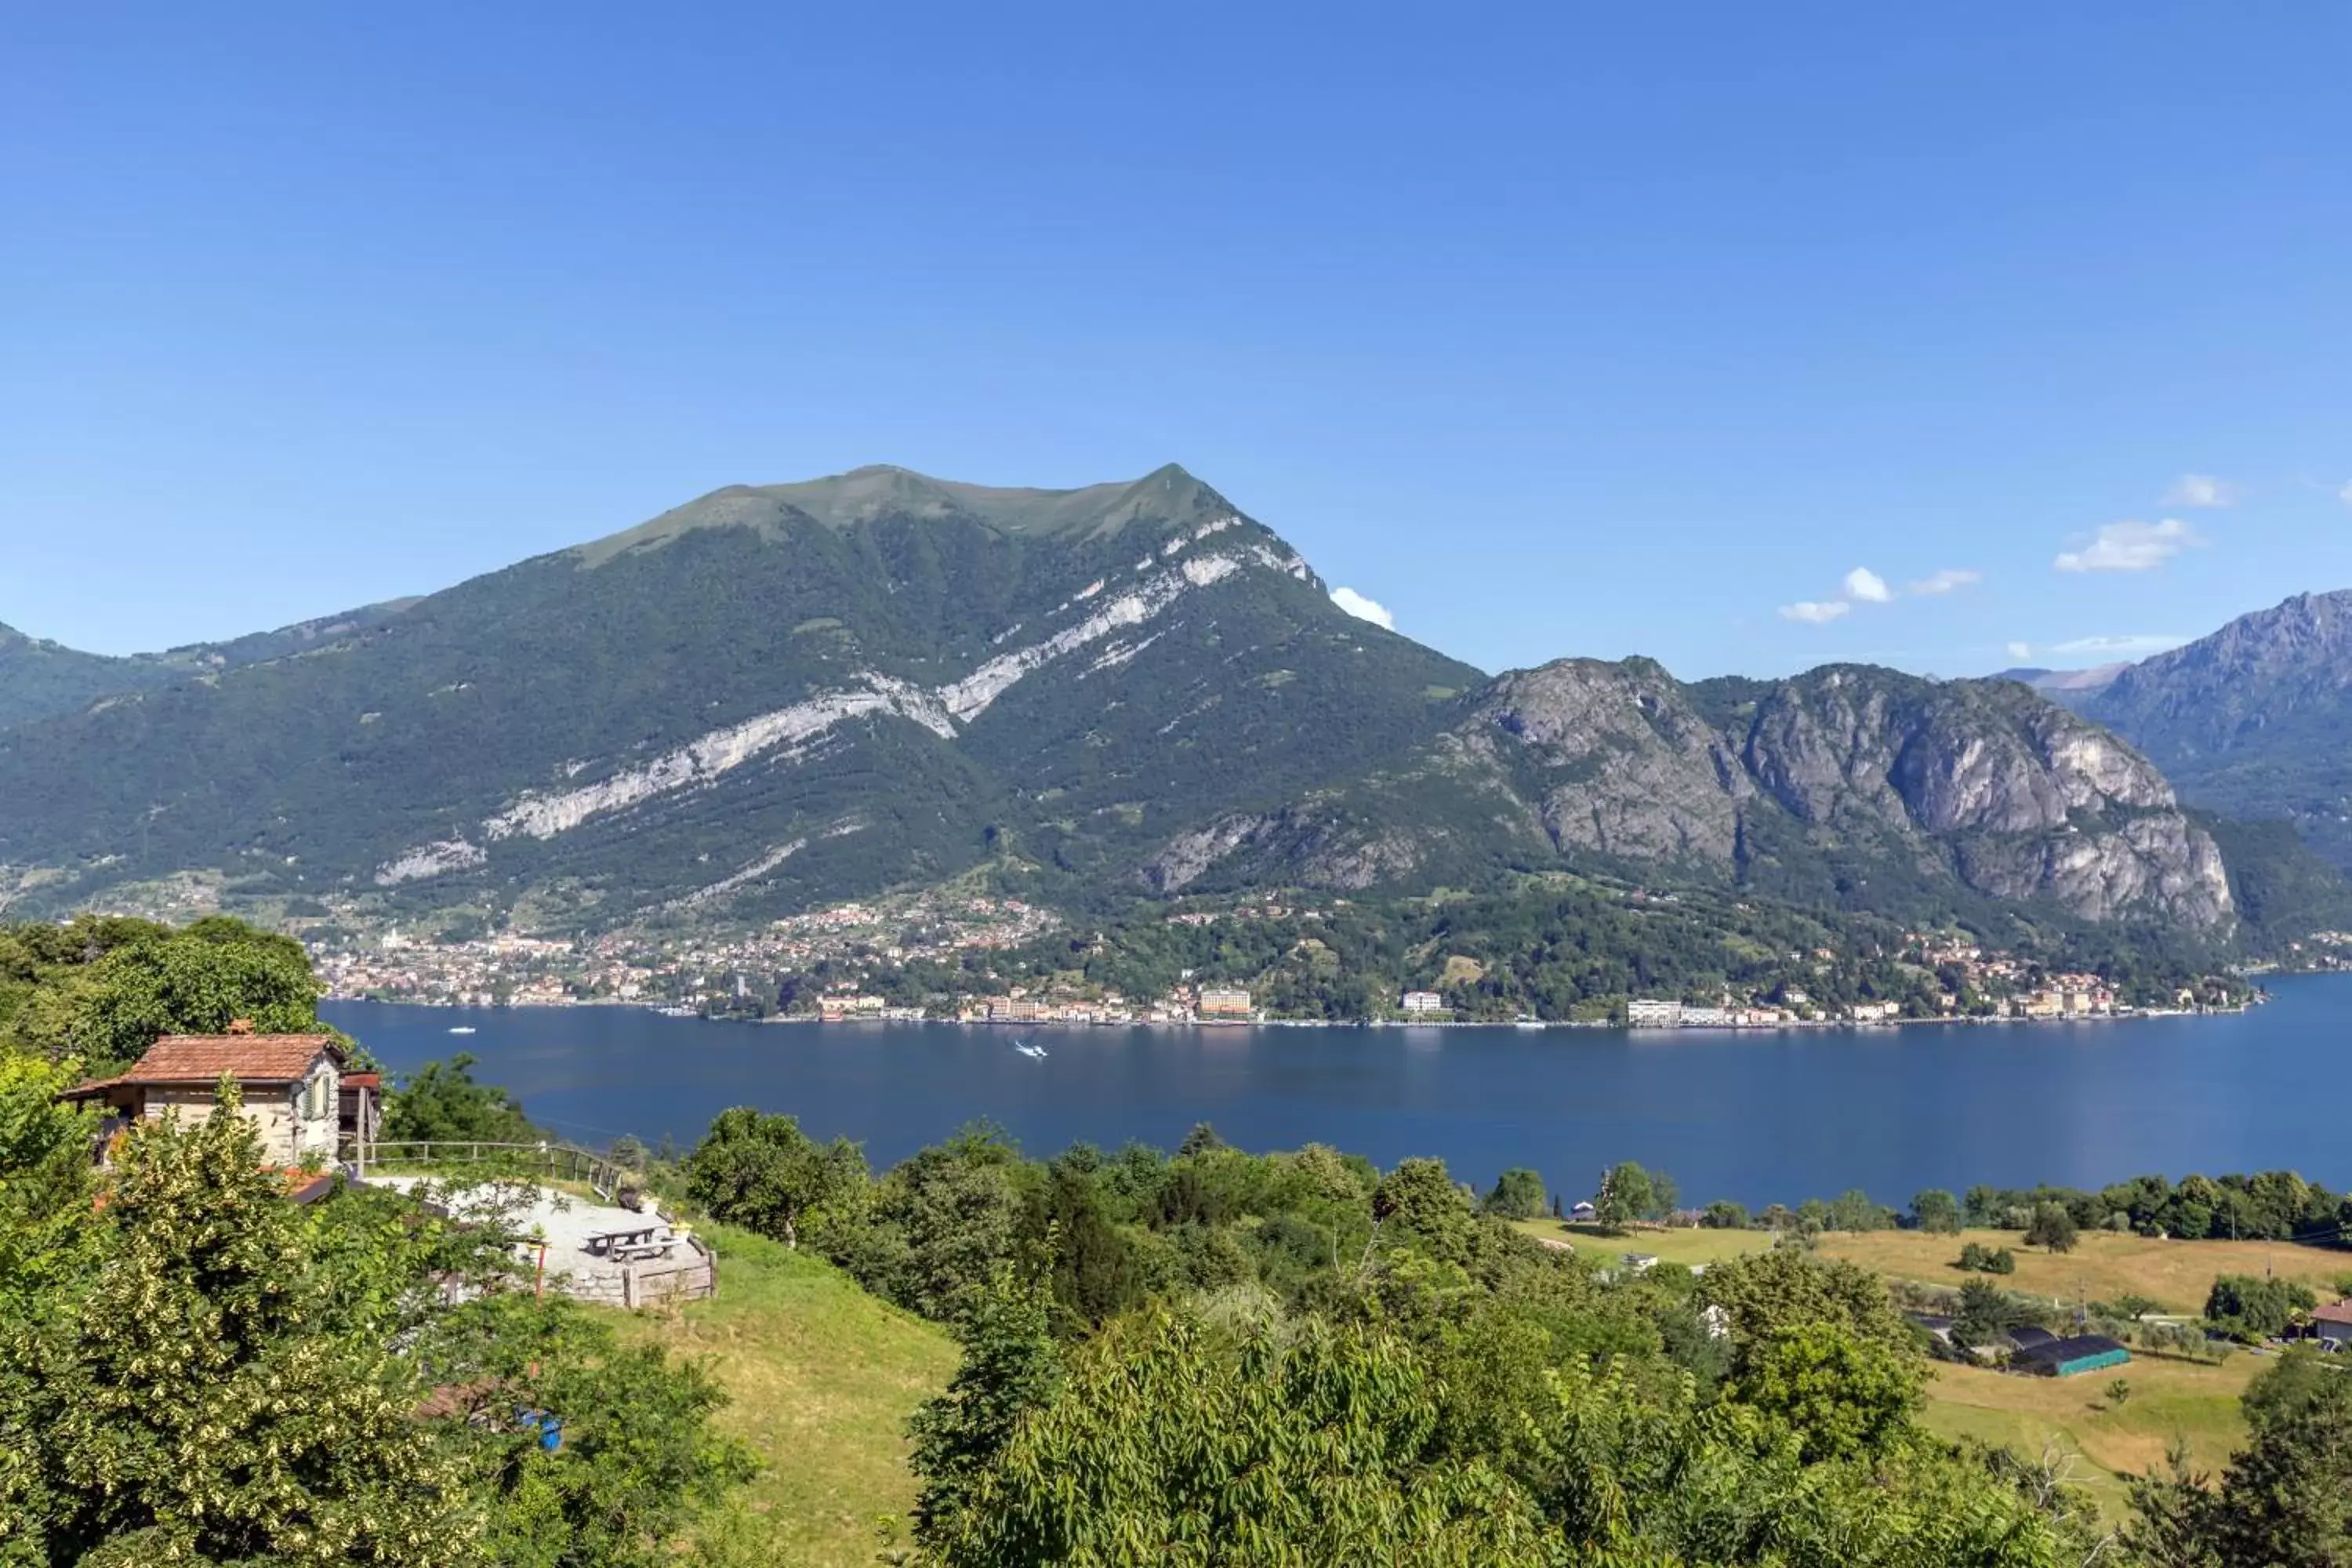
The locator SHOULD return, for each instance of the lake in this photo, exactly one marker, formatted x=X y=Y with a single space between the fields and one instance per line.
x=1760 y=1116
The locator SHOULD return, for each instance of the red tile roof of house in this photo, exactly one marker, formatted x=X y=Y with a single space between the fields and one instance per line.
x=2334 y=1312
x=362 y=1080
x=202 y=1058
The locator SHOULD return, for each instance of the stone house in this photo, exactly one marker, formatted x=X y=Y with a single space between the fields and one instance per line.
x=293 y=1088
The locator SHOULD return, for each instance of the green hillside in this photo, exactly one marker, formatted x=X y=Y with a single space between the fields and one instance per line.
x=749 y=707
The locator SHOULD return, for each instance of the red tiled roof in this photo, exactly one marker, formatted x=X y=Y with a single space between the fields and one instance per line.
x=362 y=1080
x=2334 y=1312
x=250 y=1059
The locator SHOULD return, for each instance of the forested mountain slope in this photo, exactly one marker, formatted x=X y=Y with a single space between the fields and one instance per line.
x=39 y=678
x=776 y=697
x=766 y=698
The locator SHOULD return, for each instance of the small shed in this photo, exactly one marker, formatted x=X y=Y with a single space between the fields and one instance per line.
x=2068 y=1357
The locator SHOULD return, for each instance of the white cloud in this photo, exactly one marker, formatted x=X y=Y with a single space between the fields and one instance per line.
x=1868 y=586
x=1363 y=609
x=1943 y=582
x=2345 y=495
x=2200 y=490
x=1817 y=613
x=2132 y=645
x=2130 y=547
x=2021 y=651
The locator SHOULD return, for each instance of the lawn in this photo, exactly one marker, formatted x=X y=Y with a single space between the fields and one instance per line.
x=2103 y=1265
x=2169 y=1399
x=823 y=1378
x=1679 y=1245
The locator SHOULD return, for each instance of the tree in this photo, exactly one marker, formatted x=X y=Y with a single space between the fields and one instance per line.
x=1725 y=1214
x=197 y=980
x=764 y=1173
x=1766 y=1292
x=441 y=1103
x=636 y=1461
x=2052 y=1226
x=1010 y=1368
x=1168 y=1443
x=1519 y=1194
x=1936 y=1212
x=206 y=1392
x=1626 y=1194
x=1420 y=1199
x=2254 y=1310
x=1986 y=1313
x=1844 y=1396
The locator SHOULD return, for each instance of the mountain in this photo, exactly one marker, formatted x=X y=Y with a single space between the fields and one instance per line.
x=770 y=696
x=1849 y=786
x=39 y=678
x=2255 y=720
x=779 y=696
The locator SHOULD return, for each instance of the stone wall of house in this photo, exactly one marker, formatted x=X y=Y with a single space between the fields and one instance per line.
x=280 y=1112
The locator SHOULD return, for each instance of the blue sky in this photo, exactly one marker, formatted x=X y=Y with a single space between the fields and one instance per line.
x=1554 y=329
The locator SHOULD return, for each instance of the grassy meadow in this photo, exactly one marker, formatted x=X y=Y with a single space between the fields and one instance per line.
x=2193 y=1402
x=823 y=1378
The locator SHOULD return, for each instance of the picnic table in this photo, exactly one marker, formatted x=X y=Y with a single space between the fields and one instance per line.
x=651 y=1240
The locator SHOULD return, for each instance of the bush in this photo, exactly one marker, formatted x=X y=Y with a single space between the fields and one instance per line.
x=2052 y=1226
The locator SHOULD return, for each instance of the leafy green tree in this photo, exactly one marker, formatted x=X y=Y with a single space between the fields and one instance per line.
x=198 y=1397
x=2052 y=1227
x=1767 y=1292
x=2251 y=1309
x=1936 y=1212
x=1629 y=1473
x=1985 y=1313
x=637 y=1460
x=1519 y=1193
x=46 y=1177
x=1419 y=1199
x=1011 y=1367
x=1725 y=1214
x=941 y=1223
x=1843 y=1395
x=197 y=980
x=1626 y=1194
x=1095 y=1272
x=764 y=1173
x=1171 y=1444
x=442 y=1103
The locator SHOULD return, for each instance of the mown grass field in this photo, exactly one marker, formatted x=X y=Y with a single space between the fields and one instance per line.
x=2108 y=1443
x=2103 y=1265
x=2170 y=1400
x=822 y=1377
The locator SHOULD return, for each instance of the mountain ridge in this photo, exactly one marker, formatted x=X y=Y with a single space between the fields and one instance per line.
x=784 y=694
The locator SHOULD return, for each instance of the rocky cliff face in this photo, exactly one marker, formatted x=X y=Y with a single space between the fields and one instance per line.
x=1981 y=784
x=2252 y=722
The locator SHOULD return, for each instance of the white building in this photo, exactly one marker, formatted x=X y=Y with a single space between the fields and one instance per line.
x=1424 y=1001
x=1649 y=1012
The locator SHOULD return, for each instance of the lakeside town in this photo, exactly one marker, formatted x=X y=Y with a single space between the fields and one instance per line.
x=847 y=964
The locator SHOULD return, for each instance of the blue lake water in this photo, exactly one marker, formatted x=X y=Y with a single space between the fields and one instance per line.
x=1758 y=1116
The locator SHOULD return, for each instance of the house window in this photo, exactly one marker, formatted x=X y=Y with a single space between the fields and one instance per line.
x=314 y=1097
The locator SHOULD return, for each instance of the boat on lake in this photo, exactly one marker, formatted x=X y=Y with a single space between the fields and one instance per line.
x=461 y=1029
